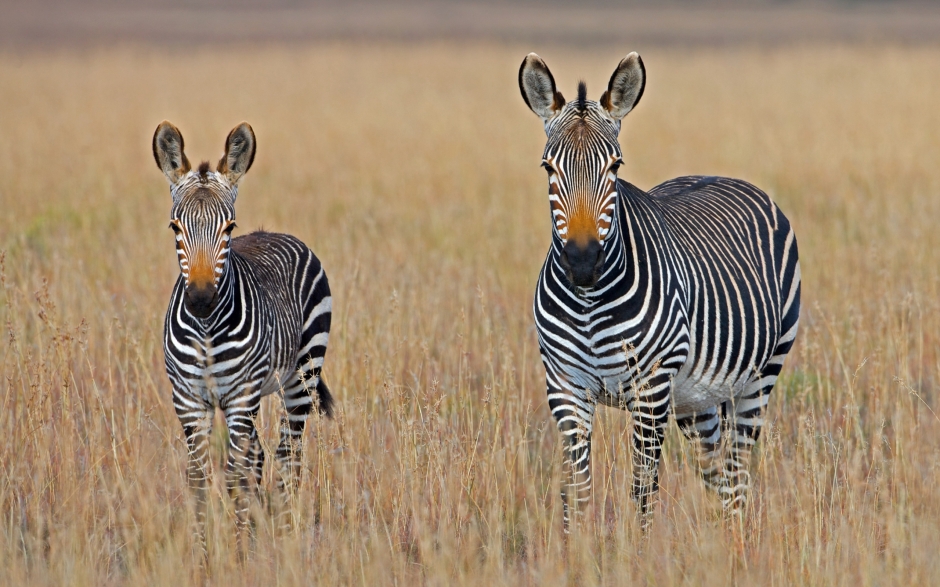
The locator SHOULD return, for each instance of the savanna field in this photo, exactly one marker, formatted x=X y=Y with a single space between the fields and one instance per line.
x=412 y=170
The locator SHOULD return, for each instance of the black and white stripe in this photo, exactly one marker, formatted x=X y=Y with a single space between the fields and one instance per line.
x=257 y=324
x=684 y=299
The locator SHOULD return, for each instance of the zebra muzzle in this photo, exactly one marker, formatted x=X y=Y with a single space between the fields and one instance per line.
x=583 y=263
x=200 y=301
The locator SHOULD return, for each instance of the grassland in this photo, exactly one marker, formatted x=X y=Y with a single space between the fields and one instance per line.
x=413 y=171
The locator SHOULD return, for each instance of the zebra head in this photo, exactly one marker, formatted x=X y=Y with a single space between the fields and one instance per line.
x=203 y=211
x=582 y=156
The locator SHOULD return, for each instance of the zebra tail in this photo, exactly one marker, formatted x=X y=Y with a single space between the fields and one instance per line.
x=324 y=399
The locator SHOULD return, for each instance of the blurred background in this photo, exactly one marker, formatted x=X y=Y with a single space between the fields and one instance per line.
x=393 y=140
x=72 y=23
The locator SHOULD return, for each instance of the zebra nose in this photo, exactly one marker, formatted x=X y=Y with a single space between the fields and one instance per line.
x=200 y=300
x=583 y=264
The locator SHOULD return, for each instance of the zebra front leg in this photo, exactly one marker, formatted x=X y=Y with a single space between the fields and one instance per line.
x=196 y=418
x=650 y=409
x=245 y=460
x=575 y=420
x=704 y=430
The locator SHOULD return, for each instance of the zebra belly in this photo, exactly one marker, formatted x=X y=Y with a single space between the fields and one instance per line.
x=616 y=385
x=695 y=395
x=694 y=390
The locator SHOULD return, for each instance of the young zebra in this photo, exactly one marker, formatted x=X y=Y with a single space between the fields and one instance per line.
x=683 y=298
x=248 y=317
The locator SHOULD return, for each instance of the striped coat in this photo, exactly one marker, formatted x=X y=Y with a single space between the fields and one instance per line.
x=681 y=300
x=248 y=317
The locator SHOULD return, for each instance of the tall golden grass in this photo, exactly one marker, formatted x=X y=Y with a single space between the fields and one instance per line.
x=413 y=172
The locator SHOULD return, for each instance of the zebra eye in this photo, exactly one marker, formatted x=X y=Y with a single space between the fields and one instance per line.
x=175 y=226
x=615 y=166
x=548 y=167
x=231 y=226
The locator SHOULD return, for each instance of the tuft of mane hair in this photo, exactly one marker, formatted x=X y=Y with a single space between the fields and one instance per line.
x=203 y=170
x=582 y=96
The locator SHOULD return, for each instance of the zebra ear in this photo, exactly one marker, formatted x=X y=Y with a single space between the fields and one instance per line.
x=538 y=88
x=625 y=87
x=239 y=153
x=168 y=151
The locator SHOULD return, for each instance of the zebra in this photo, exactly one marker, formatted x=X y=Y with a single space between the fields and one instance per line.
x=683 y=299
x=248 y=317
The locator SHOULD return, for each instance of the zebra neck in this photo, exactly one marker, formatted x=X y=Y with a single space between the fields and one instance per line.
x=229 y=280
x=615 y=267
x=229 y=285
x=621 y=261
x=615 y=257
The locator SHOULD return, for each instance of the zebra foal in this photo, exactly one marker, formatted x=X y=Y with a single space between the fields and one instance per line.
x=683 y=299
x=248 y=317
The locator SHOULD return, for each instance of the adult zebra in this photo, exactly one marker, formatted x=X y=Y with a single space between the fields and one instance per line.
x=248 y=317
x=683 y=298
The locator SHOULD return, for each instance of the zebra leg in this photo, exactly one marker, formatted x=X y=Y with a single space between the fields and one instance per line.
x=298 y=403
x=196 y=418
x=747 y=412
x=704 y=430
x=743 y=422
x=575 y=419
x=650 y=410
x=245 y=458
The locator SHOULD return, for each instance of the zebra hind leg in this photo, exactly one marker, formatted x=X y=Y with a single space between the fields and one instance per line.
x=744 y=417
x=742 y=423
x=703 y=429
x=299 y=403
x=244 y=463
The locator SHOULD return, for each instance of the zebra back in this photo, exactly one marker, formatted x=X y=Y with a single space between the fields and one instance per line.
x=293 y=285
x=738 y=257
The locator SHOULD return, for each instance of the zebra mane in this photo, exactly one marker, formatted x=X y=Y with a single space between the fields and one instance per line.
x=582 y=96
x=203 y=170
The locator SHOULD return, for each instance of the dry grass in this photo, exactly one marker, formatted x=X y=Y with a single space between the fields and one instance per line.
x=412 y=171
